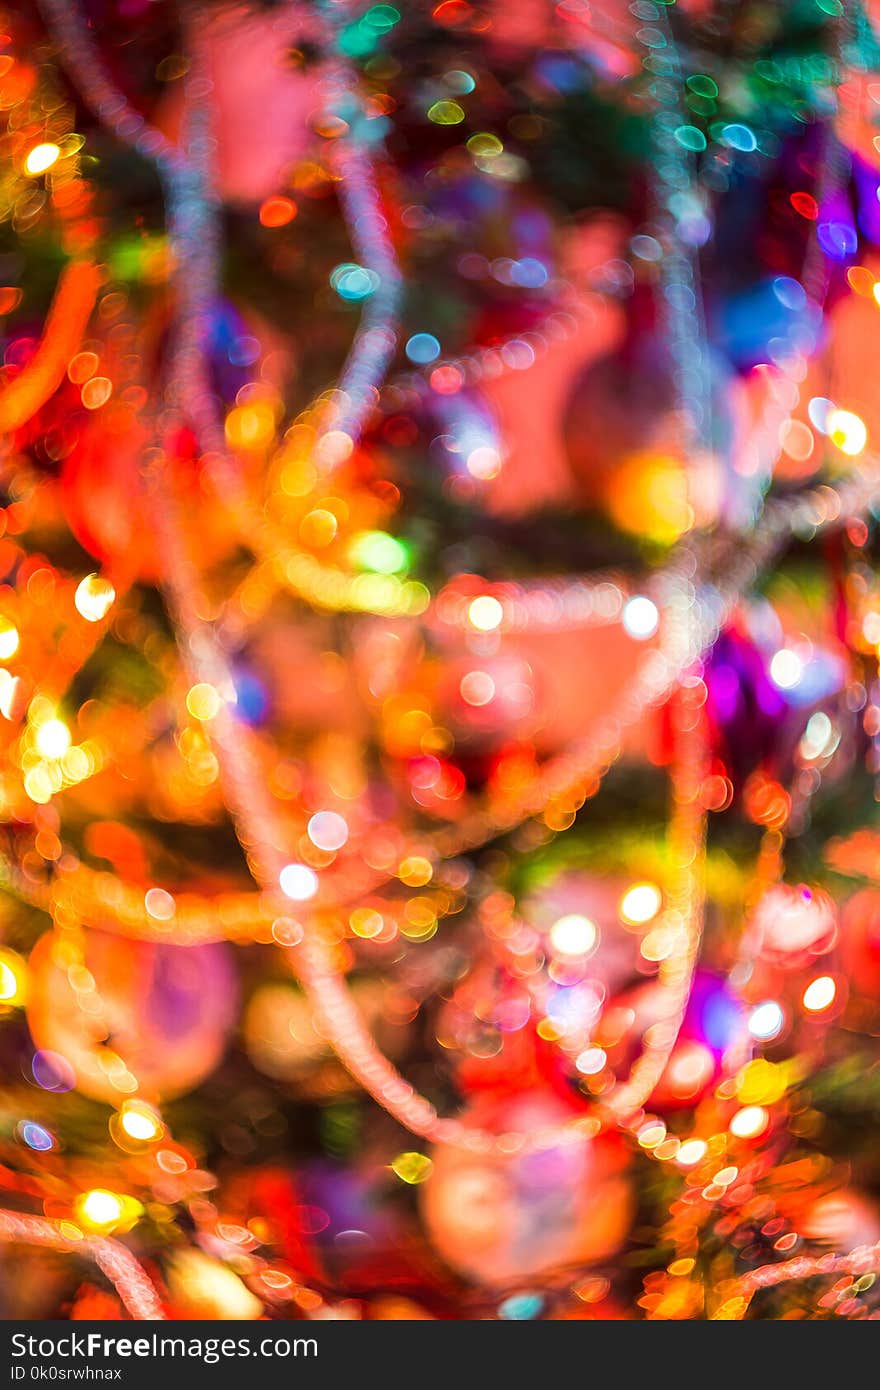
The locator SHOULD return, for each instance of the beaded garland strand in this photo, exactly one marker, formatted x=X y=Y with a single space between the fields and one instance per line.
x=688 y=599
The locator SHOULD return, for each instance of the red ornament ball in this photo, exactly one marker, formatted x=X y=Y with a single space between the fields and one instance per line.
x=500 y=1217
x=131 y=1016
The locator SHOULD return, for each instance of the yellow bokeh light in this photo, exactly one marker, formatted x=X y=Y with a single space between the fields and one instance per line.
x=203 y=701
x=9 y=639
x=94 y=598
x=485 y=613
x=318 y=528
x=366 y=923
x=412 y=1167
x=41 y=158
x=415 y=871
x=250 y=426
x=9 y=688
x=640 y=904
x=692 y=1151
x=139 y=1122
x=205 y=1288
x=100 y=1208
x=13 y=978
x=847 y=431
x=761 y=1082
x=652 y=1134
x=52 y=739
x=819 y=994
x=573 y=935
x=749 y=1122
x=647 y=494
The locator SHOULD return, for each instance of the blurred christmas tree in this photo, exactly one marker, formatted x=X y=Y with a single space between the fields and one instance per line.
x=439 y=638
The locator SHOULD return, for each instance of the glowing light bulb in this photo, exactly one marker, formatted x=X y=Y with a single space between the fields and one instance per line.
x=819 y=994
x=689 y=1069
x=203 y=701
x=99 y=1208
x=298 y=882
x=847 y=431
x=573 y=935
x=766 y=1020
x=41 y=158
x=94 y=598
x=749 y=1122
x=691 y=1152
x=819 y=737
x=485 y=613
x=484 y=462
x=13 y=976
x=139 y=1122
x=52 y=739
x=9 y=639
x=591 y=1061
x=786 y=669
x=9 y=687
x=640 y=618
x=640 y=904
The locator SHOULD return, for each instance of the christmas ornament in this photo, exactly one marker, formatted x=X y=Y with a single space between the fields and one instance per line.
x=131 y=1017
x=793 y=924
x=501 y=1219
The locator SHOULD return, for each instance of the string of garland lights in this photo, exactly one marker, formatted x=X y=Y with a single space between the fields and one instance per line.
x=119 y=1265
x=318 y=619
